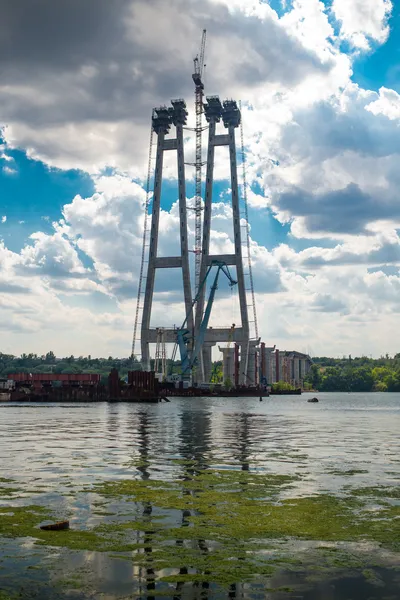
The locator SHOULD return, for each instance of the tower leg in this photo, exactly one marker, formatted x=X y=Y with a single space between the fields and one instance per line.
x=205 y=248
x=238 y=254
x=162 y=119
x=151 y=269
x=183 y=229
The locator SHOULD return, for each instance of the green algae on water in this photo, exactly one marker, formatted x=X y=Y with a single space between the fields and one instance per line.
x=347 y=472
x=218 y=523
x=377 y=492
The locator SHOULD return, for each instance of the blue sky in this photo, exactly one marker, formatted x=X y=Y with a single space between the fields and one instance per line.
x=321 y=144
x=33 y=196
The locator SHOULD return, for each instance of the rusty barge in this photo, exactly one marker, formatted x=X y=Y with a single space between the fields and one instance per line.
x=81 y=387
x=141 y=386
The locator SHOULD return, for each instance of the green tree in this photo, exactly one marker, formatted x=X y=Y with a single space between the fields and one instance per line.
x=50 y=358
x=282 y=386
x=314 y=377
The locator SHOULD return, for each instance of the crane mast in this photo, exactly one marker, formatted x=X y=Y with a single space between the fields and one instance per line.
x=199 y=93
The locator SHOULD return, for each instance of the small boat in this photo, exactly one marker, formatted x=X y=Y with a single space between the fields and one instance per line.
x=313 y=400
x=56 y=526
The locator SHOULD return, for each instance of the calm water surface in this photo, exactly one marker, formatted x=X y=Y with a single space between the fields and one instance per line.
x=47 y=450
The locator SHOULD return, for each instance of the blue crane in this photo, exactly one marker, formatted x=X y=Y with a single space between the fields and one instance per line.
x=183 y=335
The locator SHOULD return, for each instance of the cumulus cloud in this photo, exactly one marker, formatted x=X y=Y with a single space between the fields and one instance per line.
x=108 y=228
x=4 y=218
x=113 y=72
x=334 y=168
x=388 y=104
x=363 y=21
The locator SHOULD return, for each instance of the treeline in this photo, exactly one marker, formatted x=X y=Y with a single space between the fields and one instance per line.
x=48 y=363
x=360 y=374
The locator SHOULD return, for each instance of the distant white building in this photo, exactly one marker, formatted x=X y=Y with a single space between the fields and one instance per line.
x=283 y=365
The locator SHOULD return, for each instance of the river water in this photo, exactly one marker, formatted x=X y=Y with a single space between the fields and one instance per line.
x=53 y=455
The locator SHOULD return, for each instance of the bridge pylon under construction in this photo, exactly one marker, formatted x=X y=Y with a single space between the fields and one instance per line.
x=164 y=118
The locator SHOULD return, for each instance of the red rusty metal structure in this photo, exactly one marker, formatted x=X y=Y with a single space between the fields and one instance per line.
x=142 y=387
x=84 y=387
x=143 y=380
x=39 y=379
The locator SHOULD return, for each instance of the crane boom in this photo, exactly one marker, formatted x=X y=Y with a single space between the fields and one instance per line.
x=183 y=334
x=199 y=92
x=202 y=51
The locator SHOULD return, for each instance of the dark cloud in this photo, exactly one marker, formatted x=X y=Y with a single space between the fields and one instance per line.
x=327 y=303
x=347 y=210
x=267 y=280
x=325 y=131
x=11 y=288
x=115 y=59
x=47 y=34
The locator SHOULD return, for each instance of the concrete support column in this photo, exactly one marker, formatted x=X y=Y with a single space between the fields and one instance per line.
x=228 y=364
x=205 y=247
x=155 y=221
x=207 y=360
x=162 y=120
x=296 y=370
x=183 y=229
x=277 y=366
x=238 y=252
x=252 y=378
x=269 y=364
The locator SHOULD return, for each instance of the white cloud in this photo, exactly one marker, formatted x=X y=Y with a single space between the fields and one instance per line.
x=363 y=20
x=388 y=104
x=4 y=218
x=318 y=296
x=9 y=170
x=308 y=21
x=331 y=168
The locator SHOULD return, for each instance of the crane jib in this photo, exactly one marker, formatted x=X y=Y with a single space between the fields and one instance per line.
x=189 y=359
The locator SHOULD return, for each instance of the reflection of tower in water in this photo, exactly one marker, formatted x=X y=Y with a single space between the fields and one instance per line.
x=194 y=447
x=143 y=468
x=195 y=438
x=113 y=424
x=244 y=440
x=239 y=429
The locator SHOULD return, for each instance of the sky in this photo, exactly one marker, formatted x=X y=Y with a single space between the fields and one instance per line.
x=320 y=93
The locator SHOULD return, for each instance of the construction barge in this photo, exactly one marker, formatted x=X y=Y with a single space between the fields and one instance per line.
x=81 y=387
x=141 y=386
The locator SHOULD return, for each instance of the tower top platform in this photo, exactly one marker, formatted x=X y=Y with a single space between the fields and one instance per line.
x=213 y=109
x=178 y=112
x=231 y=115
x=161 y=120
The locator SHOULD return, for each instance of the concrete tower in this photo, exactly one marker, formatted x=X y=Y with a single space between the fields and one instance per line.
x=229 y=112
x=163 y=119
